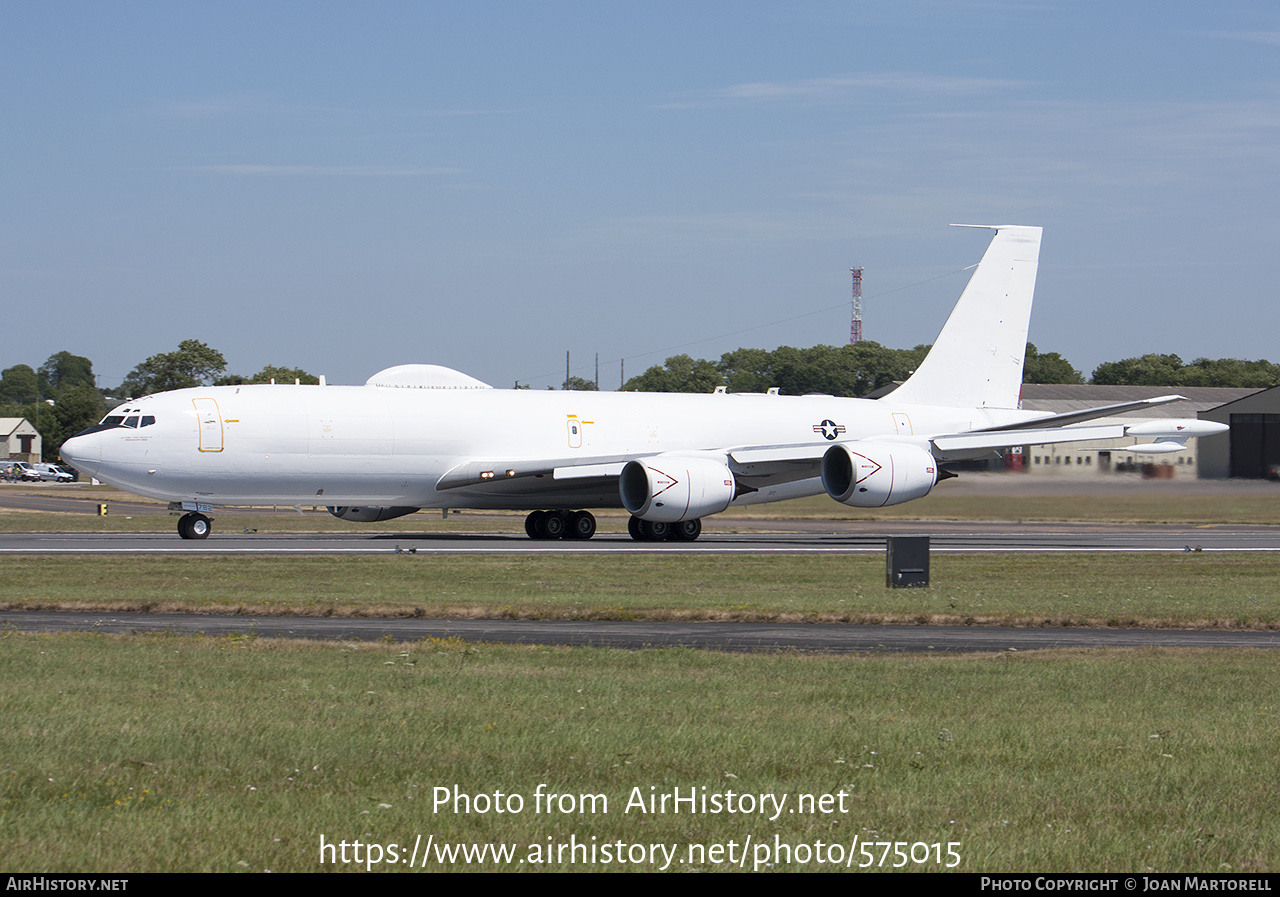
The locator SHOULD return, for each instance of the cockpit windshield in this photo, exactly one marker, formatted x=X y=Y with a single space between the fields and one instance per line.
x=126 y=418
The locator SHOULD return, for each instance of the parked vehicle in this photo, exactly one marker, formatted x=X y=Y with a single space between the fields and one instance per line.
x=25 y=472
x=52 y=473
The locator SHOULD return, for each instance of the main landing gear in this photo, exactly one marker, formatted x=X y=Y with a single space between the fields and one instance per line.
x=653 y=531
x=560 y=525
x=582 y=525
x=194 y=526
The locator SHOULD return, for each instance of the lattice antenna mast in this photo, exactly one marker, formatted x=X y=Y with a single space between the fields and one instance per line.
x=855 y=329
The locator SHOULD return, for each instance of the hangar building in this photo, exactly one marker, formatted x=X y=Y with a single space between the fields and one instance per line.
x=1109 y=456
x=1252 y=447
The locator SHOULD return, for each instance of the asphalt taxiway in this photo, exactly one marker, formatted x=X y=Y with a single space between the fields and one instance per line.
x=835 y=638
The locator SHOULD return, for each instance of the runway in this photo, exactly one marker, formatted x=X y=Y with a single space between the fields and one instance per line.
x=836 y=638
x=862 y=538
x=812 y=537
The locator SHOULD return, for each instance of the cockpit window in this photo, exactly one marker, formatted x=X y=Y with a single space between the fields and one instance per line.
x=128 y=418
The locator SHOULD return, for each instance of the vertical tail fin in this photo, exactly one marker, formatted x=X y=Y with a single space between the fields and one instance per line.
x=976 y=361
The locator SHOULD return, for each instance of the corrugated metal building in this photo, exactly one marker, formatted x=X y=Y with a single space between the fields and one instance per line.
x=1109 y=456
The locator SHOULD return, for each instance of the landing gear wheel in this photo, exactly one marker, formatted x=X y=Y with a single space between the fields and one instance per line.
x=532 y=524
x=554 y=525
x=194 y=526
x=650 y=530
x=582 y=525
x=686 y=530
x=633 y=527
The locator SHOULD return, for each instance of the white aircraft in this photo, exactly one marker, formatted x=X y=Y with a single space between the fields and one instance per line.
x=423 y=436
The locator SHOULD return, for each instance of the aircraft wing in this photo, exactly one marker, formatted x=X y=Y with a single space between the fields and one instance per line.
x=962 y=445
x=753 y=467
x=595 y=479
x=1170 y=435
x=495 y=472
x=1075 y=417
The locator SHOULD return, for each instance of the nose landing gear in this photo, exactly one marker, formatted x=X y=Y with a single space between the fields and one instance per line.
x=194 y=526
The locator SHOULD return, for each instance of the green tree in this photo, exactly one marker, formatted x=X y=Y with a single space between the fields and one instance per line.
x=191 y=364
x=77 y=407
x=1048 y=367
x=1235 y=372
x=581 y=384
x=1149 y=370
x=681 y=373
x=747 y=370
x=18 y=385
x=64 y=371
x=851 y=370
x=1168 y=370
x=269 y=374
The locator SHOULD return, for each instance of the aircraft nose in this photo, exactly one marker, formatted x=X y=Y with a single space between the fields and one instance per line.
x=83 y=452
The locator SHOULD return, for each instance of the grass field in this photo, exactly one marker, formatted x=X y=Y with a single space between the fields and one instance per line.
x=1185 y=589
x=169 y=753
x=159 y=753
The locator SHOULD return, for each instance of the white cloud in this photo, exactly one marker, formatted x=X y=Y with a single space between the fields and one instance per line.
x=322 y=170
x=1261 y=37
x=847 y=88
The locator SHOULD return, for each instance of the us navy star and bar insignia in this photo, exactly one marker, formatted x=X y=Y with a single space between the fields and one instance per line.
x=829 y=429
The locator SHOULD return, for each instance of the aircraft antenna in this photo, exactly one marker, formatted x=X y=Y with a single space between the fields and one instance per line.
x=855 y=329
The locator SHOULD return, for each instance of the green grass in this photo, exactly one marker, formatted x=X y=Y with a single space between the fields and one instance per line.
x=169 y=753
x=1196 y=589
x=1167 y=505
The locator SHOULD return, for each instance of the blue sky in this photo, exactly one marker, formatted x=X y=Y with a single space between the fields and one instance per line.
x=342 y=187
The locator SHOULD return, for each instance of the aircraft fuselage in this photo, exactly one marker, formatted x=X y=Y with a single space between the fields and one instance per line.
x=343 y=445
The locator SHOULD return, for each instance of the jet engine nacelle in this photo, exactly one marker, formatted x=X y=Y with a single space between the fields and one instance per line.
x=671 y=488
x=367 y=514
x=872 y=475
